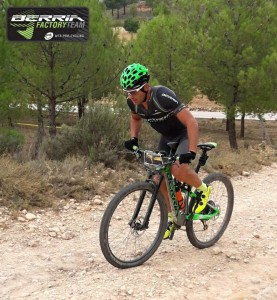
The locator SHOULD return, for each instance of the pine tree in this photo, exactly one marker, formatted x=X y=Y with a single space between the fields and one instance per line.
x=158 y=47
x=232 y=41
x=56 y=73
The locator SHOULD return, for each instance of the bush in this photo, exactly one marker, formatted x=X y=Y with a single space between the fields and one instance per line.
x=103 y=131
x=131 y=25
x=66 y=142
x=99 y=134
x=10 y=140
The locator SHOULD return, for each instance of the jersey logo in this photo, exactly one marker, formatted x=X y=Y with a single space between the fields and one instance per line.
x=169 y=97
x=153 y=120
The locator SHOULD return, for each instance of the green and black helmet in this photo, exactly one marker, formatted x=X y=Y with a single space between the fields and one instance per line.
x=134 y=76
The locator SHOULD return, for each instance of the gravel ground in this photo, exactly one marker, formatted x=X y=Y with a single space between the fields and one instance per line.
x=56 y=255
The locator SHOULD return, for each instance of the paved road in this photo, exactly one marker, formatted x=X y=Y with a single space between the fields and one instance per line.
x=221 y=115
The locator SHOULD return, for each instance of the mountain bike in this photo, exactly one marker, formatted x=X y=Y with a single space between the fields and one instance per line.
x=134 y=222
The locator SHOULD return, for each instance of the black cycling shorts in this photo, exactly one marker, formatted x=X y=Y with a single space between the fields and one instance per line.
x=178 y=145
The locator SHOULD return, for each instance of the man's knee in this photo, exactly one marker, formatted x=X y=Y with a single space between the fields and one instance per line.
x=180 y=170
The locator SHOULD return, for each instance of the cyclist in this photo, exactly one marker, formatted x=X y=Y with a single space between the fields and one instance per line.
x=169 y=116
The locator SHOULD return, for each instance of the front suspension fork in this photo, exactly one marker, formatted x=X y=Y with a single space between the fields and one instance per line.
x=145 y=223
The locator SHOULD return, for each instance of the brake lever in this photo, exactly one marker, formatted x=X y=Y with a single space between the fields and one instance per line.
x=137 y=152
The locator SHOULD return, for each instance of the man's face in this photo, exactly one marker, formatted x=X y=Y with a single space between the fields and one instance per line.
x=137 y=96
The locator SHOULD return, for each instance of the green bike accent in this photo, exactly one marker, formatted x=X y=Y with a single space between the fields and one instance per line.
x=171 y=189
x=215 y=144
x=203 y=217
x=192 y=195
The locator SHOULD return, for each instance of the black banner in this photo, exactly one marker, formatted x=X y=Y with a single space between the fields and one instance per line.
x=63 y=24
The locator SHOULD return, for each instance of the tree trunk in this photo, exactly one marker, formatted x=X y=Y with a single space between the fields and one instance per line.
x=82 y=106
x=232 y=132
x=52 y=94
x=52 y=117
x=118 y=13
x=10 y=122
x=227 y=125
x=40 y=131
x=242 y=125
x=231 y=119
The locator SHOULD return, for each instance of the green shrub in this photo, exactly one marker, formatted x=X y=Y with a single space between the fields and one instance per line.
x=10 y=140
x=131 y=25
x=99 y=135
x=66 y=142
x=103 y=131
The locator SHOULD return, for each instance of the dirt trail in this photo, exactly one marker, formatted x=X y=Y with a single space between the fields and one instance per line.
x=56 y=255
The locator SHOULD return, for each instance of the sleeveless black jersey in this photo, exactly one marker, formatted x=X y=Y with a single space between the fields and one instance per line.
x=163 y=106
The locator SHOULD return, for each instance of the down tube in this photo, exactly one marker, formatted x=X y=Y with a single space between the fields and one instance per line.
x=171 y=192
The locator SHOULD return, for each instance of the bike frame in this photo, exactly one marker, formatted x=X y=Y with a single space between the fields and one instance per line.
x=180 y=217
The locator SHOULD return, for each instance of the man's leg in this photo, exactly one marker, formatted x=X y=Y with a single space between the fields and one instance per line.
x=163 y=188
x=184 y=173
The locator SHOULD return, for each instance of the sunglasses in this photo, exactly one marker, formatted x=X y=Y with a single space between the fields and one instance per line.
x=134 y=91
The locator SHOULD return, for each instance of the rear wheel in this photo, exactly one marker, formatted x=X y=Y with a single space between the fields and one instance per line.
x=123 y=242
x=205 y=233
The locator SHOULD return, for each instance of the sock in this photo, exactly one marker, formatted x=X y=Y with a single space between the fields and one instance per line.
x=202 y=188
x=170 y=216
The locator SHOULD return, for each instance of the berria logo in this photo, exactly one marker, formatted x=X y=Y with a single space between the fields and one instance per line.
x=33 y=24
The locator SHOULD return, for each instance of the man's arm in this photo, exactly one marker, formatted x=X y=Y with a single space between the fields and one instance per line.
x=135 y=124
x=186 y=117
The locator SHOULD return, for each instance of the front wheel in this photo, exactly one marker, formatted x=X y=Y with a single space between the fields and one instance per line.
x=123 y=241
x=205 y=233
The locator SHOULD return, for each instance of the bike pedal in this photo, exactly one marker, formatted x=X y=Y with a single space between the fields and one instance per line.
x=176 y=227
x=172 y=234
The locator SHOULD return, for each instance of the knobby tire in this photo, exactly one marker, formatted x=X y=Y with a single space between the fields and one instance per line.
x=222 y=195
x=122 y=245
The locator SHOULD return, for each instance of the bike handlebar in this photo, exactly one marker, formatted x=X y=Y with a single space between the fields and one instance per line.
x=167 y=160
x=139 y=153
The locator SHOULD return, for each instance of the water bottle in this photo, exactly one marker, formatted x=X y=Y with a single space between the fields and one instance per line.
x=180 y=199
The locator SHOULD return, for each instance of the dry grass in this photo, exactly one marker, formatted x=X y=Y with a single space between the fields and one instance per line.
x=123 y=34
x=40 y=183
x=21 y=185
x=252 y=153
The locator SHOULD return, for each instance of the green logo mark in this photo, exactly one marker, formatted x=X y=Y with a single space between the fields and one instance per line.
x=30 y=27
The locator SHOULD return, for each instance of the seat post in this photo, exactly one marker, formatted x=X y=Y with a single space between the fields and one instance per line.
x=202 y=160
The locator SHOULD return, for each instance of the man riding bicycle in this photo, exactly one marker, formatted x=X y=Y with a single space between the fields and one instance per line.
x=169 y=116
